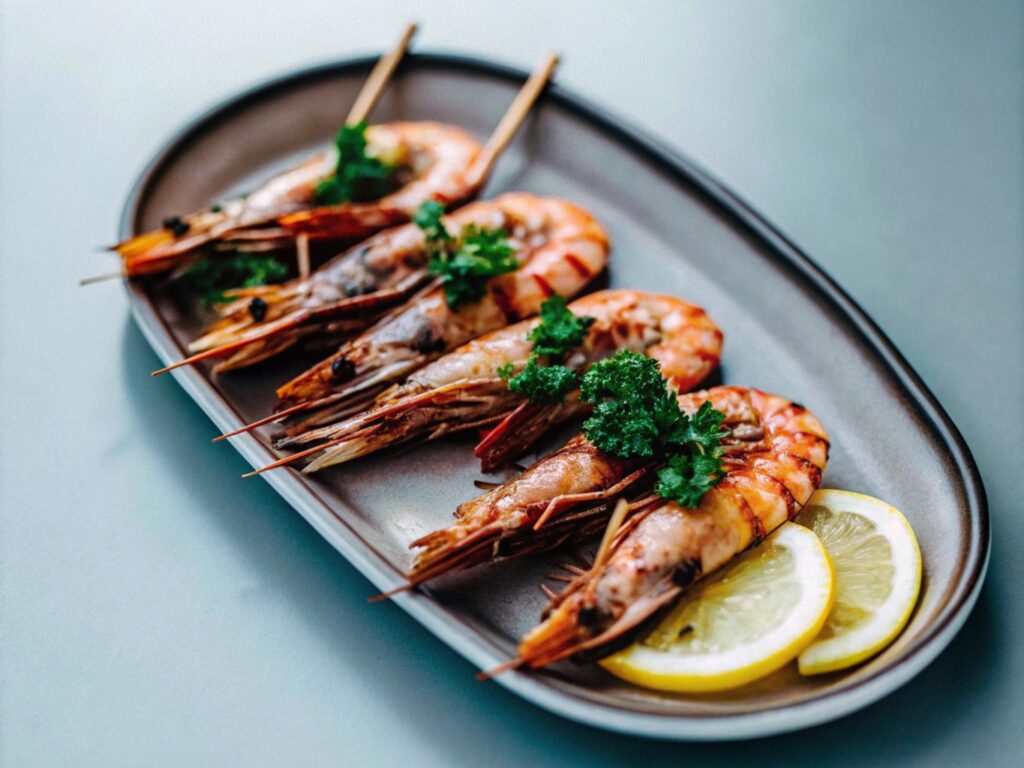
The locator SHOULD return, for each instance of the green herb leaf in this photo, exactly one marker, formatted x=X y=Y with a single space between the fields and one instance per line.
x=688 y=476
x=211 y=278
x=634 y=411
x=428 y=218
x=703 y=428
x=467 y=263
x=539 y=383
x=637 y=415
x=559 y=329
x=357 y=177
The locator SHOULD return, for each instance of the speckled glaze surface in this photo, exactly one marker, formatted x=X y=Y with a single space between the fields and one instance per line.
x=789 y=330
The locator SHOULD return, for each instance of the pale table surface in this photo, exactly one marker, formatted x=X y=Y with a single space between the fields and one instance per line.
x=157 y=610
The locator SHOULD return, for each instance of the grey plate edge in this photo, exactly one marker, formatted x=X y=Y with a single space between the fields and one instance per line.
x=443 y=623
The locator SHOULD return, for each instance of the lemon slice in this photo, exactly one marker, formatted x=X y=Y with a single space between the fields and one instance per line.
x=878 y=577
x=755 y=616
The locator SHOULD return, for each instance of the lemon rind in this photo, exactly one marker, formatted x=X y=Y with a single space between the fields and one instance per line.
x=891 y=619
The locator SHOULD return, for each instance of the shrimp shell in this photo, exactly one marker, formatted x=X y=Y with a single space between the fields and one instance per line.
x=665 y=547
x=436 y=159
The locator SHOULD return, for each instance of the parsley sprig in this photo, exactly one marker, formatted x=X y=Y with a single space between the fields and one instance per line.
x=558 y=332
x=357 y=177
x=637 y=415
x=211 y=279
x=466 y=262
x=541 y=383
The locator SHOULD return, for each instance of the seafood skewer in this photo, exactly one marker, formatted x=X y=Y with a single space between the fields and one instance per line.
x=775 y=447
x=433 y=161
x=560 y=249
x=462 y=390
x=162 y=249
x=665 y=547
x=342 y=298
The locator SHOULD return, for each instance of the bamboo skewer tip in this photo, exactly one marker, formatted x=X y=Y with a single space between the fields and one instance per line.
x=379 y=77
x=513 y=118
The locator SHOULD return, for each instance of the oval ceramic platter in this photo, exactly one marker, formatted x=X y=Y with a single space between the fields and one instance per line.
x=789 y=329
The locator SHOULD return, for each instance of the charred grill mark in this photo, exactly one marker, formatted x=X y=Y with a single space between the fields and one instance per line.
x=544 y=285
x=759 y=530
x=504 y=302
x=581 y=269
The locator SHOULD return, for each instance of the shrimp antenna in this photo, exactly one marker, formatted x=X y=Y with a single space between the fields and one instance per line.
x=513 y=118
x=101 y=278
x=487 y=674
x=379 y=76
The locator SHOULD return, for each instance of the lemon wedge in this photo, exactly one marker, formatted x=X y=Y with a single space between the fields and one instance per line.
x=752 y=618
x=878 y=577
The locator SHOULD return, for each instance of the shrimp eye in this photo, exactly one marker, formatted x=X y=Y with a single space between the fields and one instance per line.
x=258 y=309
x=426 y=343
x=176 y=225
x=589 y=615
x=686 y=572
x=343 y=368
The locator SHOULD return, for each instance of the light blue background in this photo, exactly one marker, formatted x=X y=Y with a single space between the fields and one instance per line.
x=157 y=610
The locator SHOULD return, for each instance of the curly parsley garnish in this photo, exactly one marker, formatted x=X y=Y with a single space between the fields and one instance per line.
x=558 y=332
x=637 y=415
x=559 y=329
x=695 y=462
x=541 y=383
x=212 y=278
x=357 y=177
x=466 y=263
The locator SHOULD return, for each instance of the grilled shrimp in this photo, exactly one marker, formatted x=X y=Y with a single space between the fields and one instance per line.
x=562 y=496
x=664 y=547
x=436 y=162
x=569 y=487
x=342 y=298
x=560 y=248
x=462 y=390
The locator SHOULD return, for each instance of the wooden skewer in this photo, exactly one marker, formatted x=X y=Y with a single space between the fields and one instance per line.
x=513 y=118
x=614 y=523
x=379 y=76
x=302 y=255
